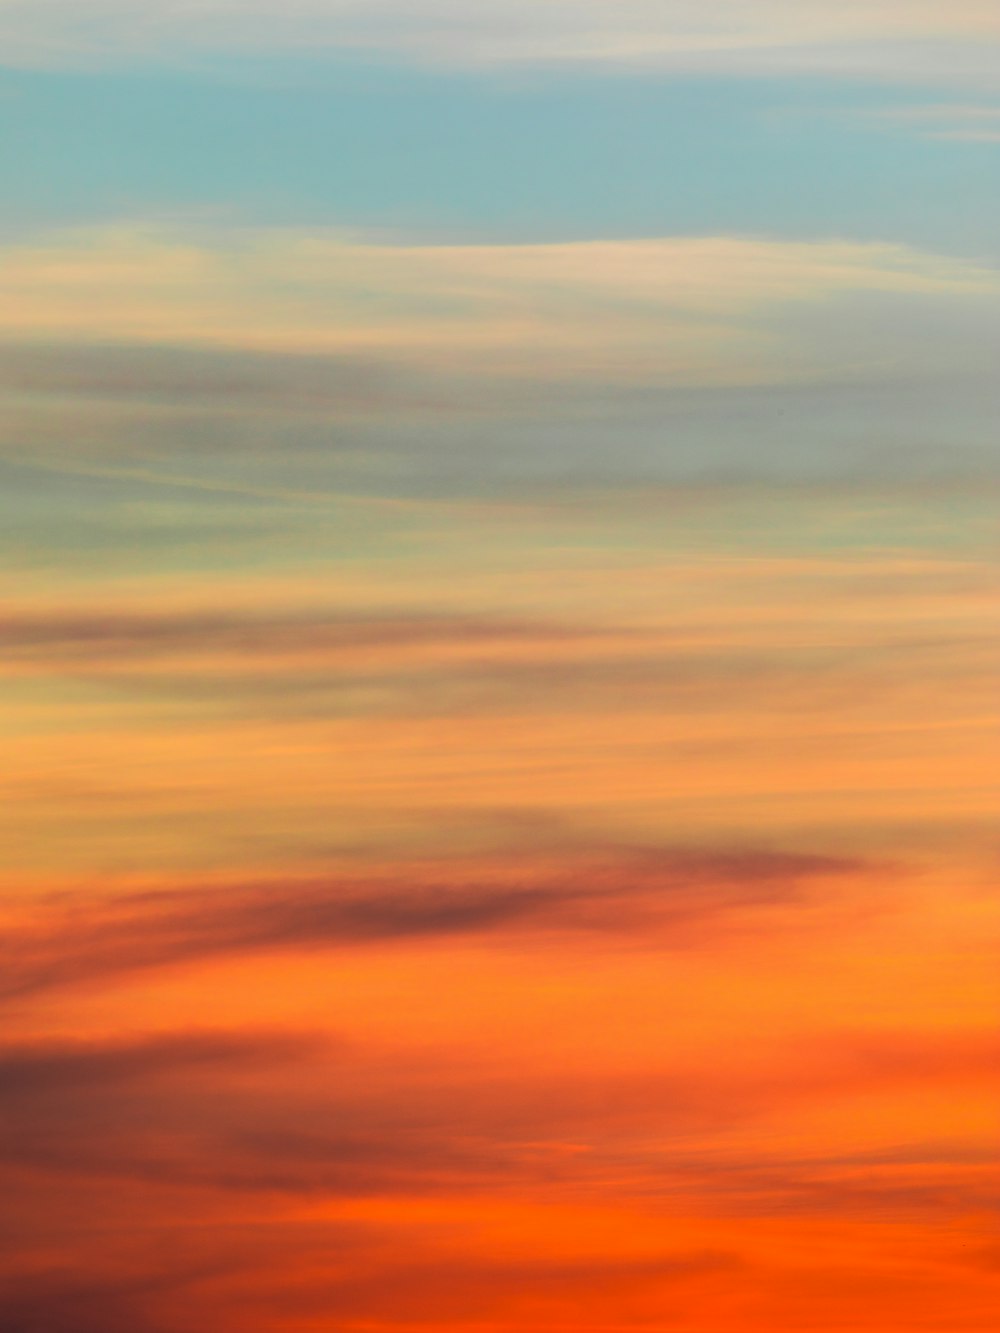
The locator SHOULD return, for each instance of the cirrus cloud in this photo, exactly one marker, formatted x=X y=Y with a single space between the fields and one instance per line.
x=894 y=38
x=683 y=311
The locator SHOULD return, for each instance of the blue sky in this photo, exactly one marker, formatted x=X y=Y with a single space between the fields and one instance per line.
x=440 y=250
x=498 y=155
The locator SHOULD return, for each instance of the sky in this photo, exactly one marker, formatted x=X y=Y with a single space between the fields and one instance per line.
x=498 y=578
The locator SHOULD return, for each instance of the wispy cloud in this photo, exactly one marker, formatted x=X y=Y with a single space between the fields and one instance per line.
x=971 y=122
x=682 y=311
x=884 y=38
x=325 y=662
x=63 y=1069
x=342 y=1182
x=301 y=1115
x=209 y=377
x=646 y=894
x=433 y=372
x=110 y=637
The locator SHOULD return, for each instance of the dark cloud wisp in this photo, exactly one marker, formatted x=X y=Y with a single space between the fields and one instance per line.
x=659 y=892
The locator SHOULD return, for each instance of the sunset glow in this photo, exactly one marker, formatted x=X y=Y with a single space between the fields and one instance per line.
x=498 y=620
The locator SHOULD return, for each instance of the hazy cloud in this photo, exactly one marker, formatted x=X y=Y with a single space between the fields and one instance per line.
x=203 y=377
x=682 y=311
x=288 y=367
x=969 y=121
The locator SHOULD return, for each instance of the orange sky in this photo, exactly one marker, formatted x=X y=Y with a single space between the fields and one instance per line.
x=498 y=666
x=606 y=943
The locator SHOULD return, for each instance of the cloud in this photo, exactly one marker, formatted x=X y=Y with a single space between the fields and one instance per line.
x=690 y=312
x=651 y=894
x=245 y=1111
x=341 y=1182
x=94 y=638
x=320 y=661
x=879 y=38
x=297 y=1114
x=285 y=367
x=921 y=1181
x=290 y=1114
x=970 y=122
x=67 y=1069
x=64 y=1301
x=178 y=1107
x=206 y=377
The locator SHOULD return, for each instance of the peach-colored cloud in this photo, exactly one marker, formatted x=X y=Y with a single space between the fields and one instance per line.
x=712 y=311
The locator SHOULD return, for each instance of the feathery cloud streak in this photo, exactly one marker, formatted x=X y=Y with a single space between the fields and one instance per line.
x=652 y=894
x=688 y=311
x=894 y=38
x=433 y=369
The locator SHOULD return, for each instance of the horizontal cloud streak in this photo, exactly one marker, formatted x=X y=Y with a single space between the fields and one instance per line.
x=878 y=38
x=210 y=377
x=113 y=637
x=297 y=1114
x=649 y=894
x=179 y=360
x=68 y=1069
x=690 y=311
